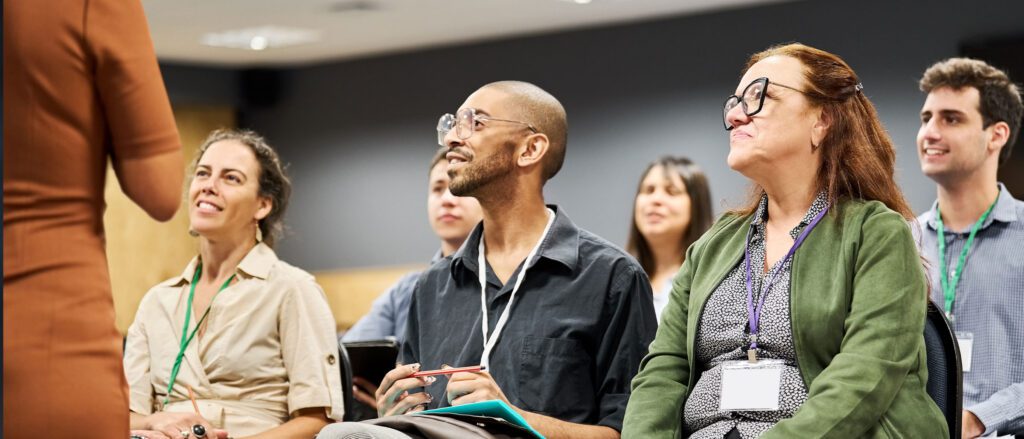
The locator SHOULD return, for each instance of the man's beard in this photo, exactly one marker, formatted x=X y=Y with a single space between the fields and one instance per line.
x=477 y=175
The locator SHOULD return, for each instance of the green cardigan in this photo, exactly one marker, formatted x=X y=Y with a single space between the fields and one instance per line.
x=858 y=300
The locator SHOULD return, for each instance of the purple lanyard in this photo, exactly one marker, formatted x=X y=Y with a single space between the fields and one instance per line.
x=754 y=314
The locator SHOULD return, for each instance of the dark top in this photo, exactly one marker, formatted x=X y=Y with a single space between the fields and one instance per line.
x=581 y=322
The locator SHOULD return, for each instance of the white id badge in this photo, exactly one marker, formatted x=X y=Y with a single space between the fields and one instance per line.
x=750 y=386
x=966 y=342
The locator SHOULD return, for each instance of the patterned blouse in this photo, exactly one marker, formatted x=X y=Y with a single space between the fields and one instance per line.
x=723 y=335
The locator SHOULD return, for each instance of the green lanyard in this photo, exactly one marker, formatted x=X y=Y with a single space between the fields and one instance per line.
x=948 y=286
x=184 y=330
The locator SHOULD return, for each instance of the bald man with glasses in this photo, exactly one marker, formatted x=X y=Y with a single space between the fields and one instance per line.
x=559 y=317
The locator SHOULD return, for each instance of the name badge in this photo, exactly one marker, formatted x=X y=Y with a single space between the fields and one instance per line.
x=750 y=386
x=966 y=342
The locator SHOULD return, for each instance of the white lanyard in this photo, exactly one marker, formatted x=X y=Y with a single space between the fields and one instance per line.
x=482 y=262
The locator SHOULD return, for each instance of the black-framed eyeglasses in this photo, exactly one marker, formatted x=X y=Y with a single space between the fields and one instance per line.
x=465 y=123
x=752 y=99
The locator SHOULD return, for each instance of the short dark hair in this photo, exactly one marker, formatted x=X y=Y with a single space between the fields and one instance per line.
x=1000 y=97
x=274 y=182
x=699 y=191
x=539 y=108
x=439 y=156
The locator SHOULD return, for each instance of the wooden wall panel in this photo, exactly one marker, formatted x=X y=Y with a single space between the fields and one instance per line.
x=351 y=292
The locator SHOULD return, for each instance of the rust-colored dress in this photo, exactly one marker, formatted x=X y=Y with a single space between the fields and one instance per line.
x=81 y=84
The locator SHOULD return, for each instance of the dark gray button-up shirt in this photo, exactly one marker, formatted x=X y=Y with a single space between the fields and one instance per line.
x=580 y=324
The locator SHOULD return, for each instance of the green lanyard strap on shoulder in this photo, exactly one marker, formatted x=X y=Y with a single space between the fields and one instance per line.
x=949 y=285
x=186 y=338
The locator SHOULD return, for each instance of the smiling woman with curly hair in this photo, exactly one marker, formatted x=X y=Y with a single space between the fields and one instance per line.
x=249 y=334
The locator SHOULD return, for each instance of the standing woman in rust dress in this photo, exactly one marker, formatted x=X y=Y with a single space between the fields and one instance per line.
x=81 y=85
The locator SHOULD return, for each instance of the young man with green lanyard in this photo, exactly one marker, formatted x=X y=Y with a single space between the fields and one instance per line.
x=972 y=236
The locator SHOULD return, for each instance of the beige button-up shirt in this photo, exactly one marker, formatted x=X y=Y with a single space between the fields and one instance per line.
x=269 y=348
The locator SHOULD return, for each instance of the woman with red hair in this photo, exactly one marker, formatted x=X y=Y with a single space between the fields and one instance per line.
x=801 y=314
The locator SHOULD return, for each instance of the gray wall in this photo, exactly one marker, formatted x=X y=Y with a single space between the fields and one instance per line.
x=195 y=85
x=358 y=134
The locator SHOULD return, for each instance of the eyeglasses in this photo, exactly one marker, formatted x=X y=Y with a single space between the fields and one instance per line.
x=466 y=122
x=752 y=100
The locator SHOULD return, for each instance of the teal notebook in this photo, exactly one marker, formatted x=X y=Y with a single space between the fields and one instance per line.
x=493 y=408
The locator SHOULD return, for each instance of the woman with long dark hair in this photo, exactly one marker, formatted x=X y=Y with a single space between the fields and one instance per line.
x=671 y=209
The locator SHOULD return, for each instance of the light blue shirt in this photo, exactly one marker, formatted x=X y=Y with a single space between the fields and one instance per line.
x=389 y=312
x=989 y=304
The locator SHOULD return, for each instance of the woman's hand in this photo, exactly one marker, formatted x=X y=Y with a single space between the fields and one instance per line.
x=393 y=397
x=178 y=425
x=468 y=387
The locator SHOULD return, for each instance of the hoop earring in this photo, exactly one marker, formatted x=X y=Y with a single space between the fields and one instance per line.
x=259 y=233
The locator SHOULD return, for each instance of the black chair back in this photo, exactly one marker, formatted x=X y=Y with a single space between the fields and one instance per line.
x=945 y=384
x=345 y=365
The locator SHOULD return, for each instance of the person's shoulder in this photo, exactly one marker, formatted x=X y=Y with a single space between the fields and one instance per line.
x=443 y=265
x=862 y=220
x=404 y=286
x=869 y=212
x=726 y=227
x=410 y=277
x=726 y=221
x=282 y=271
x=1018 y=205
x=596 y=251
x=287 y=280
x=165 y=292
x=169 y=283
x=592 y=244
x=435 y=276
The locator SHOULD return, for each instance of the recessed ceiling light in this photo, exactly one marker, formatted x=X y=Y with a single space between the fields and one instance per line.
x=261 y=38
x=259 y=42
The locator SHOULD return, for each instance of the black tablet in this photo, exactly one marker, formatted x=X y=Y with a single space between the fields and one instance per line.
x=372 y=359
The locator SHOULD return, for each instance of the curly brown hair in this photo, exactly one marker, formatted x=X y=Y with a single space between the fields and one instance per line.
x=274 y=183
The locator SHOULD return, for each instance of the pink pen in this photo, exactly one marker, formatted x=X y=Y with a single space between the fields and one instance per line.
x=448 y=371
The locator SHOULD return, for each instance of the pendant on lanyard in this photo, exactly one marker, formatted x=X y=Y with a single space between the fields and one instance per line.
x=489 y=342
x=949 y=285
x=754 y=312
x=184 y=330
